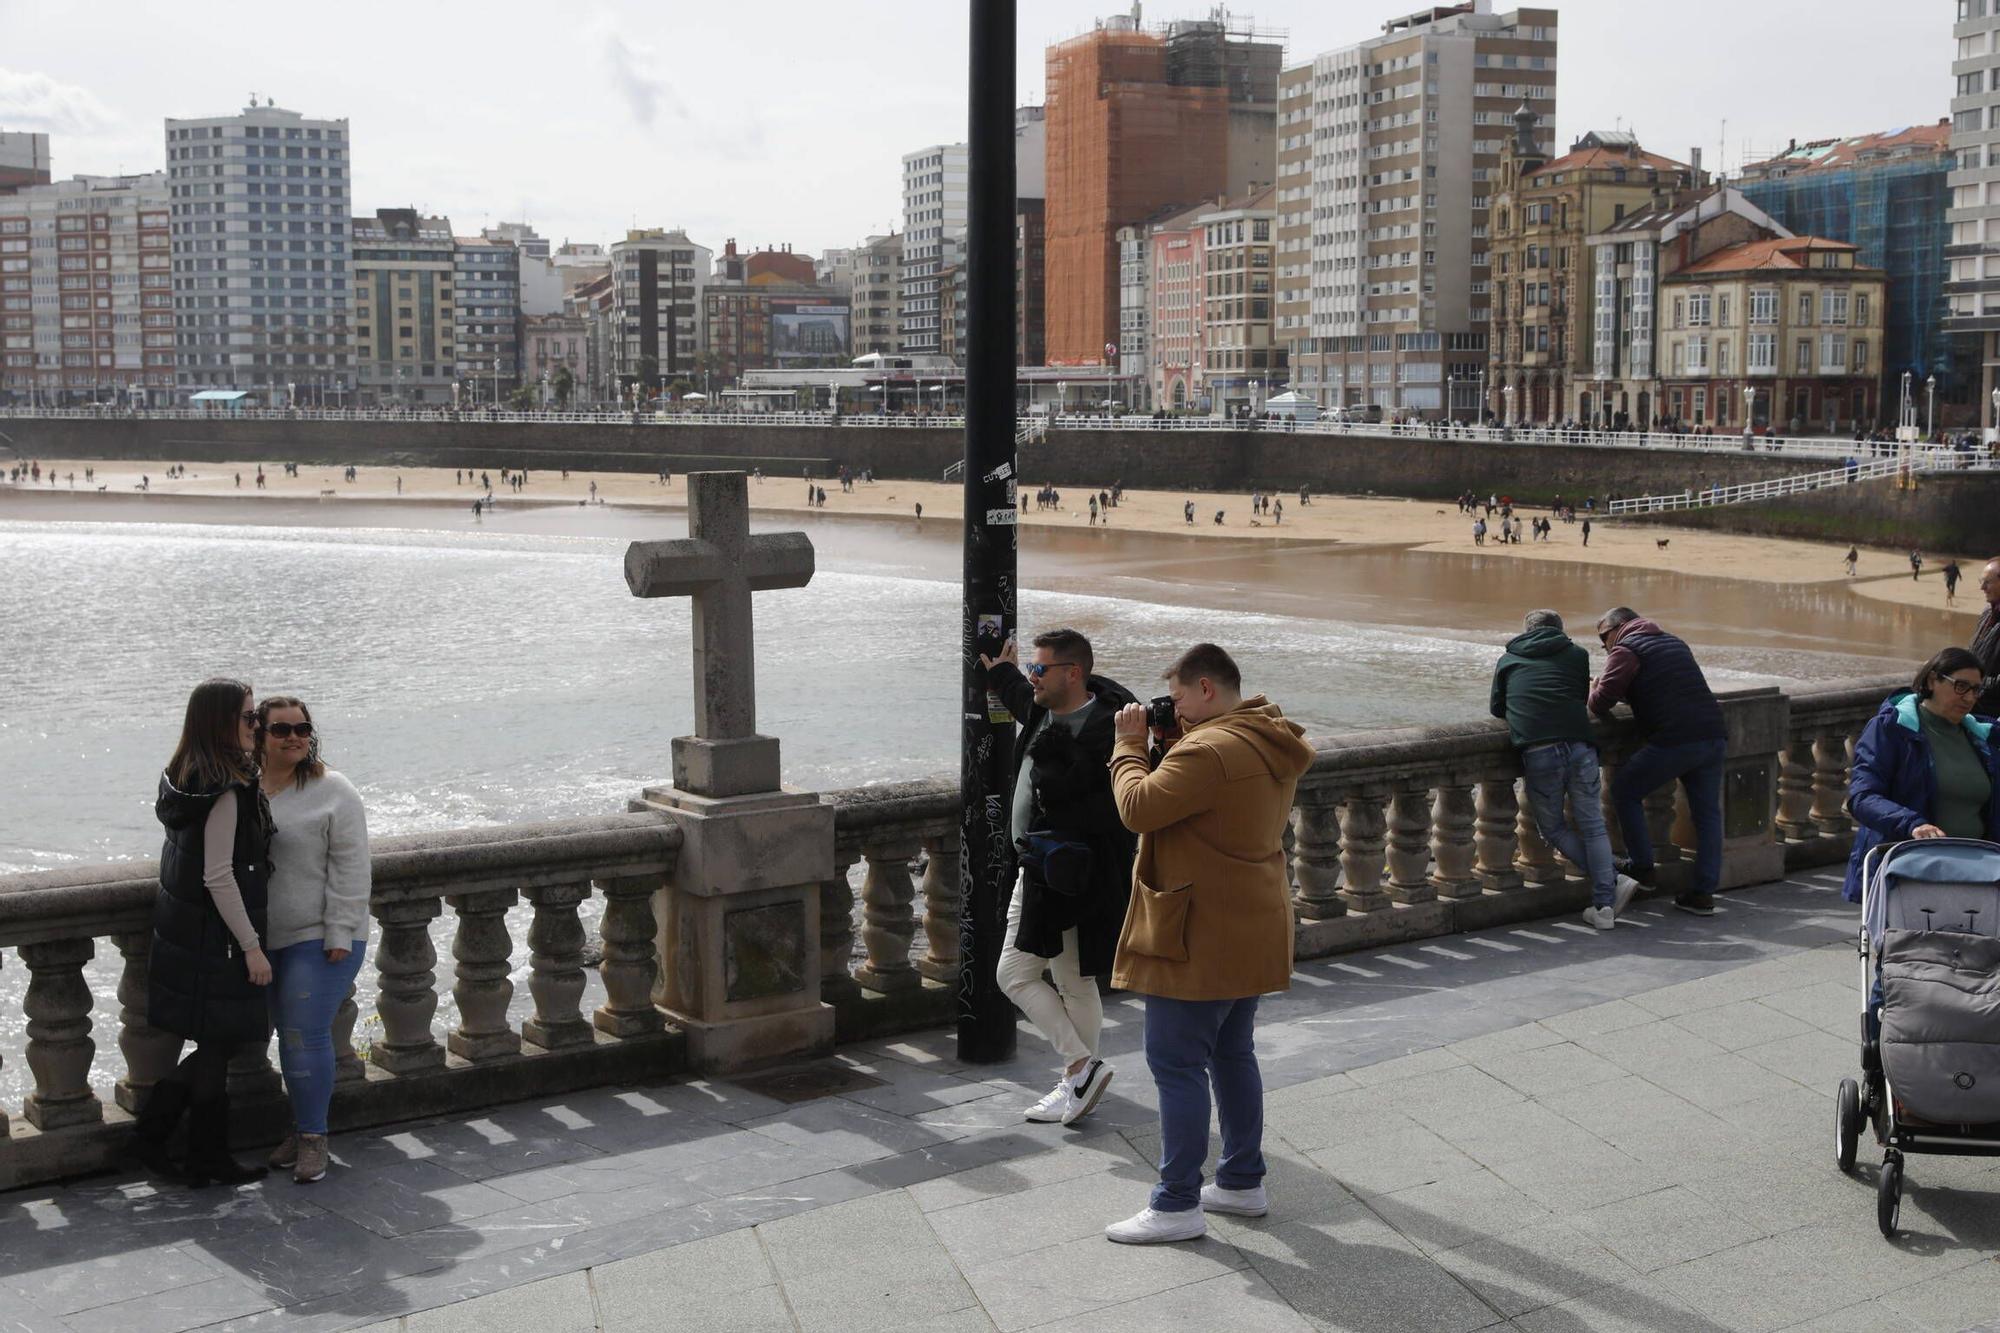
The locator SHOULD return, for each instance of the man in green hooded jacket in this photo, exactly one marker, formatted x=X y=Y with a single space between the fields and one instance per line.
x=1540 y=688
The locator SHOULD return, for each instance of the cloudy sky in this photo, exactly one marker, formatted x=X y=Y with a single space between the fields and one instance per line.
x=785 y=120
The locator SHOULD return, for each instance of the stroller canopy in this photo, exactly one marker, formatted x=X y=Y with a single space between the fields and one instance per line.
x=1956 y=879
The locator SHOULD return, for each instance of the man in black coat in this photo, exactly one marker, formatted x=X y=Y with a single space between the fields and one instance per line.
x=1067 y=908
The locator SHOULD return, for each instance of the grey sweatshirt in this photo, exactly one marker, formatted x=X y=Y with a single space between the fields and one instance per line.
x=319 y=865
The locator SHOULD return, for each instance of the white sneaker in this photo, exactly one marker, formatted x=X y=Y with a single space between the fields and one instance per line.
x=1085 y=1090
x=1049 y=1110
x=1601 y=917
x=1622 y=894
x=1235 y=1203
x=1151 y=1227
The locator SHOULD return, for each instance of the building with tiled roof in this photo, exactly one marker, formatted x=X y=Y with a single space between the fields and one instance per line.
x=1902 y=144
x=1539 y=364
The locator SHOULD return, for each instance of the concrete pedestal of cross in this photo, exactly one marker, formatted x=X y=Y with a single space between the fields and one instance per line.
x=739 y=919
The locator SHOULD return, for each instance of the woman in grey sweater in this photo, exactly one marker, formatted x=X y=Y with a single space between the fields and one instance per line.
x=317 y=930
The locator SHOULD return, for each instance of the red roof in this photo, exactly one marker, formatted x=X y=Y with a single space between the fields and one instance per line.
x=1597 y=158
x=1786 y=252
x=1825 y=154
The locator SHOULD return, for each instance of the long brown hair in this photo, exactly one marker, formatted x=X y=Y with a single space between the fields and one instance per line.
x=310 y=767
x=208 y=755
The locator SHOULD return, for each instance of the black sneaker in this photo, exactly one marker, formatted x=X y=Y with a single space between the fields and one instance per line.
x=1626 y=866
x=1701 y=904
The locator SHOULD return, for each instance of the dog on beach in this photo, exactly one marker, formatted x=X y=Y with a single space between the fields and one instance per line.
x=1661 y=544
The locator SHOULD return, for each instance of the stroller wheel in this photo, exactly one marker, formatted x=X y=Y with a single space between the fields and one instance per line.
x=1889 y=1195
x=1846 y=1124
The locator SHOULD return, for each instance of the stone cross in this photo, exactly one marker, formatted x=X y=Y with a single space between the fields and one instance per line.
x=719 y=564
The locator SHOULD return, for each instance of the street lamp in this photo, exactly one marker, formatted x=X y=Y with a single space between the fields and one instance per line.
x=1906 y=413
x=1930 y=404
x=1749 y=411
x=1996 y=413
x=1062 y=393
x=1507 y=397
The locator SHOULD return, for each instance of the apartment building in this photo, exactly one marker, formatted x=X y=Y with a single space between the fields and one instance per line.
x=935 y=185
x=1388 y=154
x=658 y=280
x=405 y=308
x=877 y=297
x=1972 y=290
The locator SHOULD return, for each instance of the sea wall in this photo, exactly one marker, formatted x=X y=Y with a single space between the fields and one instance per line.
x=1947 y=513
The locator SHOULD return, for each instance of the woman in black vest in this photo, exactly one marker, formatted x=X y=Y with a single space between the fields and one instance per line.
x=208 y=973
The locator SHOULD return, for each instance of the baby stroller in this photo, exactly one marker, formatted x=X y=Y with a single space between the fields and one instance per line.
x=1930 y=1024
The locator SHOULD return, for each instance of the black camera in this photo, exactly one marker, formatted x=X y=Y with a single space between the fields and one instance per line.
x=1160 y=714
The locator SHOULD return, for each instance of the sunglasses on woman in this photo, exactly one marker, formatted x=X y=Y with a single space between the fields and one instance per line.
x=286 y=730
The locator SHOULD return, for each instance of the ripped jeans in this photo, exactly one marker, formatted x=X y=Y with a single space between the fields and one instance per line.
x=306 y=991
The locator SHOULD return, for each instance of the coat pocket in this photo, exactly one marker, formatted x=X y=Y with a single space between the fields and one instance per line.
x=1159 y=922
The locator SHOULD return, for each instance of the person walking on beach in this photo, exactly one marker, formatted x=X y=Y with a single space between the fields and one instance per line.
x=207 y=971
x=1278 y=511
x=1540 y=688
x=920 y=511
x=1684 y=738
x=1093 y=511
x=1074 y=857
x=1586 y=530
x=1950 y=573
x=317 y=918
x=1916 y=564
x=1479 y=532
x=1853 y=557
x=1187 y=512
x=1209 y=929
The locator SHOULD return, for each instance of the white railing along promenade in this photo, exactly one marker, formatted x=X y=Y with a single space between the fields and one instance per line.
x=1792 y=446
x=1770 y=488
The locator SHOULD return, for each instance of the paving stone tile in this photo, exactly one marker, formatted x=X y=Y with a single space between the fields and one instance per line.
x=420 y=1195
x=916 y=1091
x=1599 y=1020
x=84 y=1281
x=1235 y=1301
x=1716 y=991
x=1664 y=1228
x=1531 y=1267
x=1715 y=1081
x=1062 y=1281
x=876 y=1254
x=1782 y=1196
x=1520 y=1037
x=1562 y=1067
x=552 y=1305
x=1742 y=1023
x=196 y=1305
x=326 y=1256
x=1581 y=1179
x=1853 y=1244
x=1306 y=1089
x=1812 y=1059
x=843 y=1130
x=1952 y=1301
x=1605 y=1108
x=1649 y=1045
x=1458 y=1211
x=1635 y=1305
x=1387 y=1163
x=1338 y=1117
x=483 y=1148
x=1490 y=1135
x=1016 y=1172
x=715 y=1099
x=1427 y=1061
x=1868 y=1317
x=1348 y=1269
x=1761 y=1285
x=1064 y=1210
x=1831 y=1005
x=614 y=1121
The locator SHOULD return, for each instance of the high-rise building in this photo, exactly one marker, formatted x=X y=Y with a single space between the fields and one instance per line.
x=1974 y=216
x=405 y=308
x=86 y=292
x=1135 y=316
x=1540 y=344
x=260 y=207
x=1388 y=154
x=1888 y=194
x=1031 y=148
x=521 y=236
x=1138 y=119
x=1030 y=282
x=487 y=275
x=934 y=199
x=24 y=158
x=834 y=269
x=877 y=300
x=658 y=279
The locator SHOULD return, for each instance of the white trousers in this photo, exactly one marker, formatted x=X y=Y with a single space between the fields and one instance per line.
x=1069 y=1013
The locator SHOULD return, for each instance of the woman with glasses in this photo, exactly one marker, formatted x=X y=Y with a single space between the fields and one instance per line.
x=319 y=919
x=208 y=971
x=1925 y=767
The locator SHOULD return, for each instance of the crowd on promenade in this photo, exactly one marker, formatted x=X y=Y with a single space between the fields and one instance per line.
x=1148 y=839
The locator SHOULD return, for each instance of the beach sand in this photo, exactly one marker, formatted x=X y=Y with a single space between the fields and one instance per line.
x=1362 y=521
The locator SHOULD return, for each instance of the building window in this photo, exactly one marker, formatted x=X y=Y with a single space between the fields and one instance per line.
x=1833 y=307
x=1802 y=357
x=1764 y=306
x=1805 y=308
x=1762 y=353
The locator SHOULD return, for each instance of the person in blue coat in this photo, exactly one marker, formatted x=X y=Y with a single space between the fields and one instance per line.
x=1925 y=767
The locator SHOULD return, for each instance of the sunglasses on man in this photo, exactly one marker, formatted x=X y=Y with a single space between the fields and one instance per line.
x=1040 y=669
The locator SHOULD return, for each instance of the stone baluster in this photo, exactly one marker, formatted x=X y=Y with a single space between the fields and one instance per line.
x=1363 y=822
x=57 y=1007
x=836 y=931
x=1288 y=844
x=941 y=909
x=1452 y=848
x=1794 y=820
x=1495 y=814
x=1829 y=785
x=149 y=1053
x=406 y=979
x=1409 y=854
x=347 y=1066
x=631 y=966
x=1317 y=819
x=1533 y=857
x=482 y=988
x=252 y=1076
x=887 y=923
x=1660 y=824
x=555 y=951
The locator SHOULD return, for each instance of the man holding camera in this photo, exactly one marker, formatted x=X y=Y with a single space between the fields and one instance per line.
x=1210 y=924
x=1076 y=858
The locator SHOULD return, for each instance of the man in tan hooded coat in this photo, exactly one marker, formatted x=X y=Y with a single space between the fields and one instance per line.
x=1209 y=928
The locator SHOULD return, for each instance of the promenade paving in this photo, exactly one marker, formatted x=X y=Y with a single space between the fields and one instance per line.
x=1538 y=1128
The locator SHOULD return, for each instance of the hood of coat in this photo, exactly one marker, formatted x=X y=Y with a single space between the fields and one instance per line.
x=179 y=809
x=1640 y=626
x=1256 y=735
x=1903 y=707
x=1542 y=641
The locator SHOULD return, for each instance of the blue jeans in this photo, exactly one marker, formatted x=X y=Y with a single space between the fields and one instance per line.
x=1569 y=768
x=305 y=992
x=1191 y=1045
x=1698 y=765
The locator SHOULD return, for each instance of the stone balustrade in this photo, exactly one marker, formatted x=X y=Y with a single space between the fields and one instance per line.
x=1396 y=835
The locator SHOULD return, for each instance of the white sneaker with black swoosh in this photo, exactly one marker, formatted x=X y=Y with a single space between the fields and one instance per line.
x=1085 y=1090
